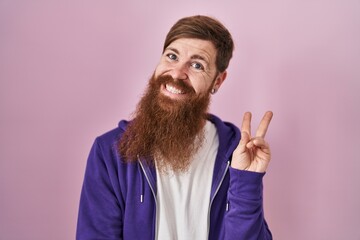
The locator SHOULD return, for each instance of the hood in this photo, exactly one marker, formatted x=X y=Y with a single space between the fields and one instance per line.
x=229 y=136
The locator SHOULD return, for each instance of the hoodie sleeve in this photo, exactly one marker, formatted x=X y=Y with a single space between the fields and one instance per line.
x=99 y=211
x=245 y=217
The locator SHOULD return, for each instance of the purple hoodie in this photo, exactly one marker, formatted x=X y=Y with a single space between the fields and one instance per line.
x=118 y=200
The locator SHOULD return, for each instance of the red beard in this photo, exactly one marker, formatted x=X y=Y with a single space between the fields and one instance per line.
x=164 y=130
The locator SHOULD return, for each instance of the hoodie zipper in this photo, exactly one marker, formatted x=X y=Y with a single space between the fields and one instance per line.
x=216 y=191
x=153 y=193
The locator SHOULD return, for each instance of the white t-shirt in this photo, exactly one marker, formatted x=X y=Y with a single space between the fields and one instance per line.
x=183 y=199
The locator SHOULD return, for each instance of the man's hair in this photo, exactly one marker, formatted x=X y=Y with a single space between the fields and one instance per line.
x=205 y=28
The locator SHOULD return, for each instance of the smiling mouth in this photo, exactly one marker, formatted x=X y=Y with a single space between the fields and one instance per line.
x=173 y=89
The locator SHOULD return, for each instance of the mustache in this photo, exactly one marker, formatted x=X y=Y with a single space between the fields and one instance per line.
x=177 y=83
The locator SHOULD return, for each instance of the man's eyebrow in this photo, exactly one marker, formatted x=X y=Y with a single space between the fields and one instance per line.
x=196 y=56
x=172 y=49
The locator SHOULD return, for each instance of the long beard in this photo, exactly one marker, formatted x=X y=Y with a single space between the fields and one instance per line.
x=165 y=130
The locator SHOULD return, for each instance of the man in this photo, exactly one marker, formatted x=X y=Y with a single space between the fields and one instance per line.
x=175 y=171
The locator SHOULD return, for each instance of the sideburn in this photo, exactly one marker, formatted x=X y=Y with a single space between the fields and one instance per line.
x=164 y=130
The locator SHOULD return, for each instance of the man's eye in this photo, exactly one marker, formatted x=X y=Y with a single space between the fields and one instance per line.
x=172 y=56
x=197 y=66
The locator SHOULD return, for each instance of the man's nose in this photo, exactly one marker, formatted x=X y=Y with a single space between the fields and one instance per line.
x=179 y=72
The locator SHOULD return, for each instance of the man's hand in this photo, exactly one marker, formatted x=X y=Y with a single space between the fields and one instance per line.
x=253 y=153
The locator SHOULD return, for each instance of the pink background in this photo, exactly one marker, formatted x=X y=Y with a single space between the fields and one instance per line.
x=70 y=70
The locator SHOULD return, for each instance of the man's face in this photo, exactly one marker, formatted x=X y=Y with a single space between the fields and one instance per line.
x=191 y=61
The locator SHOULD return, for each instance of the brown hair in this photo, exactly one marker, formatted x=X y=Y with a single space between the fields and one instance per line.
x=205 y=28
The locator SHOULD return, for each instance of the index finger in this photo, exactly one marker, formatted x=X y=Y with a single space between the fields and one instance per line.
x=245 y=127
x=264 y=124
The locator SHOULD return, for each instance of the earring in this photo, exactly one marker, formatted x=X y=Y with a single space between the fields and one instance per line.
x=213 y=91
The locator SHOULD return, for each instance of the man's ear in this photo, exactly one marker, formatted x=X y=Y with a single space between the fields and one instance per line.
x=219 y=80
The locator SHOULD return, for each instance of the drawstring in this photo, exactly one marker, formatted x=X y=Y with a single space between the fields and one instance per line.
x=141 y=183
x=227 y=201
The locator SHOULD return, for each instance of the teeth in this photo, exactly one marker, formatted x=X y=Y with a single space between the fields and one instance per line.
x=173 y=89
